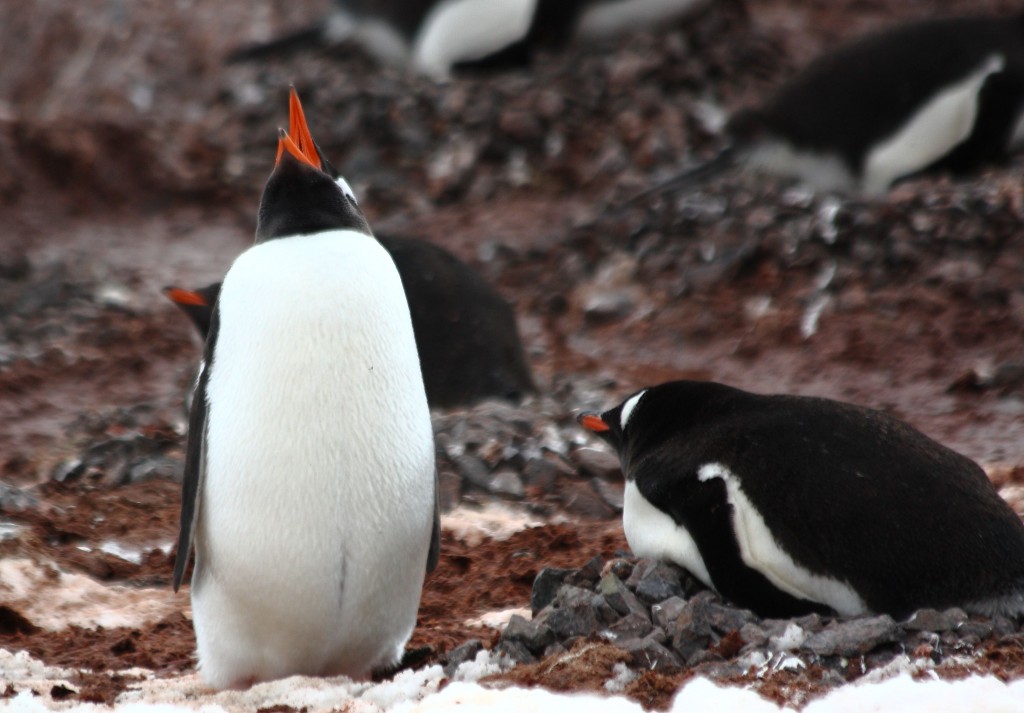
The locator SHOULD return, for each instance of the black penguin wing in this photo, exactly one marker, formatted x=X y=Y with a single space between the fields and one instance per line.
x=195 y=458
x=434 y=554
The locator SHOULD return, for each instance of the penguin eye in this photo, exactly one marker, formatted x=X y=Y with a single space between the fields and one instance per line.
x=346 y=189
x=627 y=408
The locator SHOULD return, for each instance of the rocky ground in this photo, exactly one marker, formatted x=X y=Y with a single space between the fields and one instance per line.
x=133 y=158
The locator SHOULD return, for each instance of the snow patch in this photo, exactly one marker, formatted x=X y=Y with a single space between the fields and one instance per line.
x=623 y=676
x=55 y=600
x=494 y=521
x=499 y=619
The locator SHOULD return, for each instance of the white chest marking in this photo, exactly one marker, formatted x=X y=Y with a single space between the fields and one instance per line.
x=821 y=171
x=761 y=552
x=604 y=19
x=627 y=408
x=652 y=533
x=1017 y=137
x=381 y=40
x=931 y=133
x=466 y=30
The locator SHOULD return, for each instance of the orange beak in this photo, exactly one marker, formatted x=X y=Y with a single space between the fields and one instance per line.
x=185 y=297
x=298 y=141
x=593 y=422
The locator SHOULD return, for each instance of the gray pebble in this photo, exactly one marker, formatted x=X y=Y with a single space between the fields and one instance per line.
x=648 y=655
x=937 y=621
x=545 y=587
x=534 y=635
x=460 y=655
x=853 y=637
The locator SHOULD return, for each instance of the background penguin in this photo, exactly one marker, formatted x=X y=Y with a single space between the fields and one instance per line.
x=310 y=489
x=788 y=504
x=936 y=94
x=436 y=36
x=466 y=332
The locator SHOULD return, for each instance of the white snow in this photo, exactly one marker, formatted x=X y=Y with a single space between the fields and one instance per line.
x=494 y=521
x=54 y=600
x=499 y=619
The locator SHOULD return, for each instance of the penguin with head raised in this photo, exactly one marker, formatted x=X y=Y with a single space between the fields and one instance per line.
x=929 y=95
x=436 y=37
x=310 y=493
x=466 y=333
x=788 y=505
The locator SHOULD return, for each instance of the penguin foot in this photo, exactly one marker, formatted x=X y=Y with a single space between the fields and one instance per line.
x=411 y=659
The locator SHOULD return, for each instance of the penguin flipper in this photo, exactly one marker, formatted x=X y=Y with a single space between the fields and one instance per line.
x=434 y=554
x=195 y=459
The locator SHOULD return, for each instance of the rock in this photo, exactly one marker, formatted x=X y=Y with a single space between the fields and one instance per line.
x=14 y=499
x=648 y=655
x=753 y=636
x=853 y=637
x=611 y=493
x=598 y=463
x=473 y=470
x=460 y=655
x=587 y=575
x=692 y=632
x=506 y=481
x=605 y=614
x=580 y=498
x=937 y=621
x=976 y=628
x=659 y=582
x=515 y=651
x=545 y=587
x=569 y=595
x=631 y=626
x=619 y=597
x=725 y=618
x=535 y=636
x=542 y=473
x=667 y=612
x=566 y=622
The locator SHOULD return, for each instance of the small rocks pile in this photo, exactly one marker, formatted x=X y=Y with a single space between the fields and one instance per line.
x=666 y=621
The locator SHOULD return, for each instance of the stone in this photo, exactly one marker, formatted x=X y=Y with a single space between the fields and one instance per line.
x=976 y=628
x=579 y=620
x=14 y=499
x=659 y=582
x=580 y=498
x=648 y=655
x=692 y=630
x=937 y=621
x=726 y=618
x=545 y=587
x=598 y=463
x=631 y=626
x=506 y=481
x=587 y=575
x=460 y=655
x=612 y=493
x=853 y=637
x=473 y=470
x=667 y=612
x=753 y=635
x=605 y=614
x=516 y=651
x=534 y=635
x=541 y=473
x=619 y=597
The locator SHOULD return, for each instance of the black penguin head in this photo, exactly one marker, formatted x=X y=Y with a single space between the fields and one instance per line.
x=196 y=304
x=613 y=425
x=305 y=194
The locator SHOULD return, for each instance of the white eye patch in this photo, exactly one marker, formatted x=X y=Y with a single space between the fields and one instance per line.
x=347 y=189
x=627 y=408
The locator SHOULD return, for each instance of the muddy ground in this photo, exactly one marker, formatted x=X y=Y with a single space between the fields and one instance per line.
x=132 y=158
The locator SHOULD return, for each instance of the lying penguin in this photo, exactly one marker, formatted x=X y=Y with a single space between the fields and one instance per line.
x=944 y=94
x=310 y=492
x=466 y=334
x=788 y=505
x=434 y=37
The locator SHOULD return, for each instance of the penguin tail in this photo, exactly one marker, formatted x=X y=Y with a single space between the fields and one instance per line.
x=700 y=174
x=312 y=36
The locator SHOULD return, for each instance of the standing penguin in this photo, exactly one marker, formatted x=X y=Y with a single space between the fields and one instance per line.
x=788 y=505
x=310 y=491
x=929 y=95
x=434 y=37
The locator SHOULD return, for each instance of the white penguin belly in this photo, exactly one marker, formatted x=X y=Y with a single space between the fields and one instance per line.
x=761 y=552
x=654 y=534
x=942 y=123
x=317 y=505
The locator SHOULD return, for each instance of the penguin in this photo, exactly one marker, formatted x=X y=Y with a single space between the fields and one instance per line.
x=437 y=37
x=789 y=505
x=938 y=94
x=310 y=490
x=466 y=333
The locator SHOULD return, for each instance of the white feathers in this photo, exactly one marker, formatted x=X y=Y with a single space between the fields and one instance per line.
x=821 y=171
x=932 y=132
x=760 y=551
x=653 y=533
x=317 y=506
x=466 y=30
x=346 y=189
x=627 y=408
